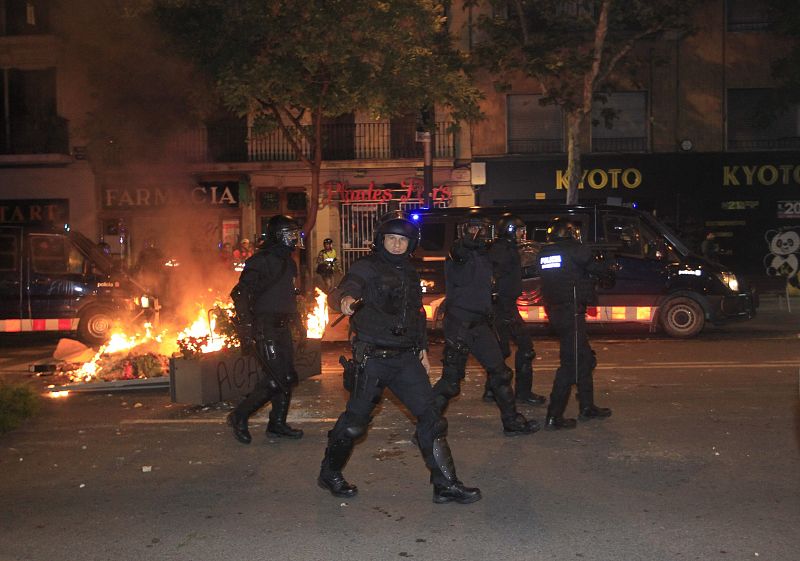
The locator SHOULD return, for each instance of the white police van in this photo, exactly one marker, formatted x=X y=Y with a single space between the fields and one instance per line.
x=660 y=282
x=58 y=280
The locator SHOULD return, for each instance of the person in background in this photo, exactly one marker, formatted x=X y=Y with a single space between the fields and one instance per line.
x=468 y=327
x=505 y=258
x=244 y=251
x=710 y=248
x=569 y=273
x=382 y=295
x=266 y=306
x=327 y=264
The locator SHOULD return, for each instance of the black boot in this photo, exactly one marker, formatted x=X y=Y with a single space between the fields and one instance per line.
x=237 y=418
x=519 y=425
x=446 y=486
x=277 y=418
x=238 y=423
x=330 y=473
x=531 y=399
x=455 y=492
x=556 y=423
x=594 y=412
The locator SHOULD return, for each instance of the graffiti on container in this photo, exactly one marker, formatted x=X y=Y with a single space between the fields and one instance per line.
x=237 y=377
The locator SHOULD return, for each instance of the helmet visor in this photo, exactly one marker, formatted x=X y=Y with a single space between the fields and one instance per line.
x=292 y=238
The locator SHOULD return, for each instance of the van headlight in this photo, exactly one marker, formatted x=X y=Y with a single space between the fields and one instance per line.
x=729 y=280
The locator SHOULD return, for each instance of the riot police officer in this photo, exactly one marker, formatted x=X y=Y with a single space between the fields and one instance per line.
x=569 y=272
x=505 y=258
x=265 y=306
x=381 y=292
x=468 y=324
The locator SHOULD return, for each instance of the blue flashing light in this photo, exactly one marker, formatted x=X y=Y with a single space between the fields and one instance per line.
x=415 y=217
x=635 y=204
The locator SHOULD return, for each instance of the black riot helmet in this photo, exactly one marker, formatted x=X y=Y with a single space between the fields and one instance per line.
x=396 y=222
x=285 y=230
x=511 y=227
x=474 y=230
x=562 y=228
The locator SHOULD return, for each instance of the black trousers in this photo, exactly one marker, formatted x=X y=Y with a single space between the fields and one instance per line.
x=576 y=357
x=407 y=379
x=281 y=365
x=511 y=327
x=479 y=339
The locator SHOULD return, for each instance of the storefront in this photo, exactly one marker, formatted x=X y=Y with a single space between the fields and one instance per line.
x=183 y=220
x=751 y=201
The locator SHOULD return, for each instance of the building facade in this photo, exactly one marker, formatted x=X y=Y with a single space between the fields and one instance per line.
x=688 y=142
x=686 y=145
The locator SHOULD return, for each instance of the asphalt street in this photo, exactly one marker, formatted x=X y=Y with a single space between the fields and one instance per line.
x=699 y=461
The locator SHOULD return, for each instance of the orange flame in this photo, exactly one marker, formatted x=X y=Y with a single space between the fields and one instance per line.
x=318 y=318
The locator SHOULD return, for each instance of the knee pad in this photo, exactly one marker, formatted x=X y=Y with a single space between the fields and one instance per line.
x=529 y=355
x=350 y=427
x=440 y=427
x=500 y=376
x=455 y=356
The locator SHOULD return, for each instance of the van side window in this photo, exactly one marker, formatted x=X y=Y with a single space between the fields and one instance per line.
x=8 y=253
x=536 y=230
x=636 y=239
x=55 y=255
x=432 y=236
x=625 y=232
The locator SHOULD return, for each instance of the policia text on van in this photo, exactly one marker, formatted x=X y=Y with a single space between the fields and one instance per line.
x=659 y=281
x=58 y=280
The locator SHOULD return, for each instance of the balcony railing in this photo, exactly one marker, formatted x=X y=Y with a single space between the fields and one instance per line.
x=360 y=141
x=536 y=146
x=622 y=144
x=787 y=143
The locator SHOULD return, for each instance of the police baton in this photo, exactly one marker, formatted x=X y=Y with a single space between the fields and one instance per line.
x=355 y=306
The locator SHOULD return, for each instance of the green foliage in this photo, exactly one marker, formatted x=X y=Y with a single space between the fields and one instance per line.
x=17 y=403
x=556 y=41
x=328 y=57
x=572 y=49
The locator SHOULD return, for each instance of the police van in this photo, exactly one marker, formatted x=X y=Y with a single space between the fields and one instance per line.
x=660 y=282
x=58 y=280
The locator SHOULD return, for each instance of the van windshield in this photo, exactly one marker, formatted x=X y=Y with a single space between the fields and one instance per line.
x=671 y=236
x=100 y=261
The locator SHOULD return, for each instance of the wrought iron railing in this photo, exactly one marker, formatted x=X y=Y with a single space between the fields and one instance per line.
x=358 y=141
x=622 y=144
x=787 y=143
x=536 y=146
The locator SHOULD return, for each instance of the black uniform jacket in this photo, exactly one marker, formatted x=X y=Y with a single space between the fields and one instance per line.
x=392 y=315
x=468 y=282
x=268 y=281
x=568 y=265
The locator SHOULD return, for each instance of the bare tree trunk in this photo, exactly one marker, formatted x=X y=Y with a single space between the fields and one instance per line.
x=574 y=168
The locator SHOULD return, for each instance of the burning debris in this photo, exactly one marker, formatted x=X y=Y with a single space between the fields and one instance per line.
x=145 y=353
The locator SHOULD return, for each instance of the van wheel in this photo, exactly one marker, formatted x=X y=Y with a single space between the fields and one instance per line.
x=94 y=326
x=682 y=317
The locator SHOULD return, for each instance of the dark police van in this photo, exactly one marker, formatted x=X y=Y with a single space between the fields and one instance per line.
x=660 y=282
x=58 y=280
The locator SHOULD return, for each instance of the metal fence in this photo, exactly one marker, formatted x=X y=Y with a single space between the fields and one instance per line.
x=342 y=141
x=358 y=221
